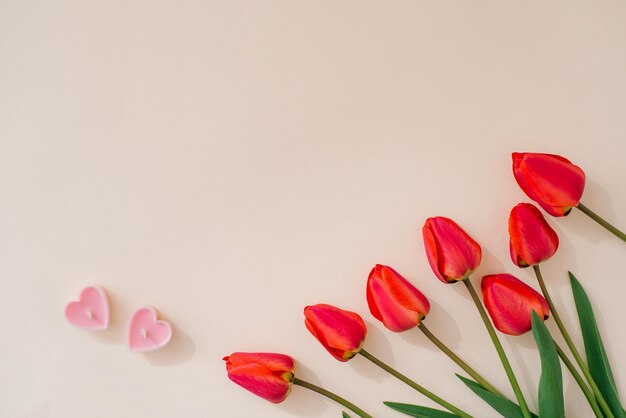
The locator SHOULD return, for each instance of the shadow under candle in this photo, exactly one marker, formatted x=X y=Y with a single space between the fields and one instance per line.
x=119 y=312
x=180 y=349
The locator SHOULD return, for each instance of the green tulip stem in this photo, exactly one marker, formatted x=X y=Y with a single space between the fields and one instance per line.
x=414 y=385
x=332 y=396
x=581 y=382
x=496 y=342
x=570 y=344
x=612 y=229
x=459 y=361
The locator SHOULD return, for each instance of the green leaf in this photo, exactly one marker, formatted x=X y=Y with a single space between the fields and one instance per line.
x=344 y=415
x=419 y=411
x=596 y=355
x=505 y=407
x=551 y=402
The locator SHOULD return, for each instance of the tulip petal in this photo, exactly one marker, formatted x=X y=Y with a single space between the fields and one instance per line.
x=550 y=180
x=372 y=303
x=451 y=252
x=338 y=354
x=395 y=316
x=516 y=257
x=259 y=380
x=273 y=361
x=510 y=303
x=532 y=238
x=512 y=317
x=393 y=300
x=432 y=251
x=341 y=332
x=404 y=292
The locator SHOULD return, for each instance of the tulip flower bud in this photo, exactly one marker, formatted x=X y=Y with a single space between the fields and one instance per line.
x=268 y=375
x=394 y=301
x=510 y=303
x=550 y=180
x=452 y=253
x=532 y=240
x=341 y=332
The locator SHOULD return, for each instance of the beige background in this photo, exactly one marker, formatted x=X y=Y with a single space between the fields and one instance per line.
x=231 y=162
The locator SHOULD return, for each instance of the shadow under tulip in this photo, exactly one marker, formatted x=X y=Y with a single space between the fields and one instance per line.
x=567 y=255
x=441 y=323
x=513 y=346
x=376 y=342
x=598 y=200
x=304 y=403
x=490 y=263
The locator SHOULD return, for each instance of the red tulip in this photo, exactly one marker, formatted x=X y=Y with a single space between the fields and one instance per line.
x=550 y=180
x=452 y=253
x=341 y=332
x=268 y=375
x=510 y=303
x=532 y=239
x=394 y=301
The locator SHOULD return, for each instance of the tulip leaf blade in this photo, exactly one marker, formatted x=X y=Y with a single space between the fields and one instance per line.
x=597 y=359
x=344 y=415
x=551 y=400
x=505 y=407
x=418 y=411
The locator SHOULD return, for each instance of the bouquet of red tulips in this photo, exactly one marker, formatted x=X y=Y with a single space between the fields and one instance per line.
x=507 y=304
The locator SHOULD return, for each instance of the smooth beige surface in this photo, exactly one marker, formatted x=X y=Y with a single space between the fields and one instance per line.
x=231 y=162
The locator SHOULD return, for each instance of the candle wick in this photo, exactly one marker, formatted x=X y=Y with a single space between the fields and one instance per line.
x=89 y=314
x=144 y=333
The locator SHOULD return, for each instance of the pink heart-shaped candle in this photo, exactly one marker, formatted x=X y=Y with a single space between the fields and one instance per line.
x=91 y=311
x=146 y=333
